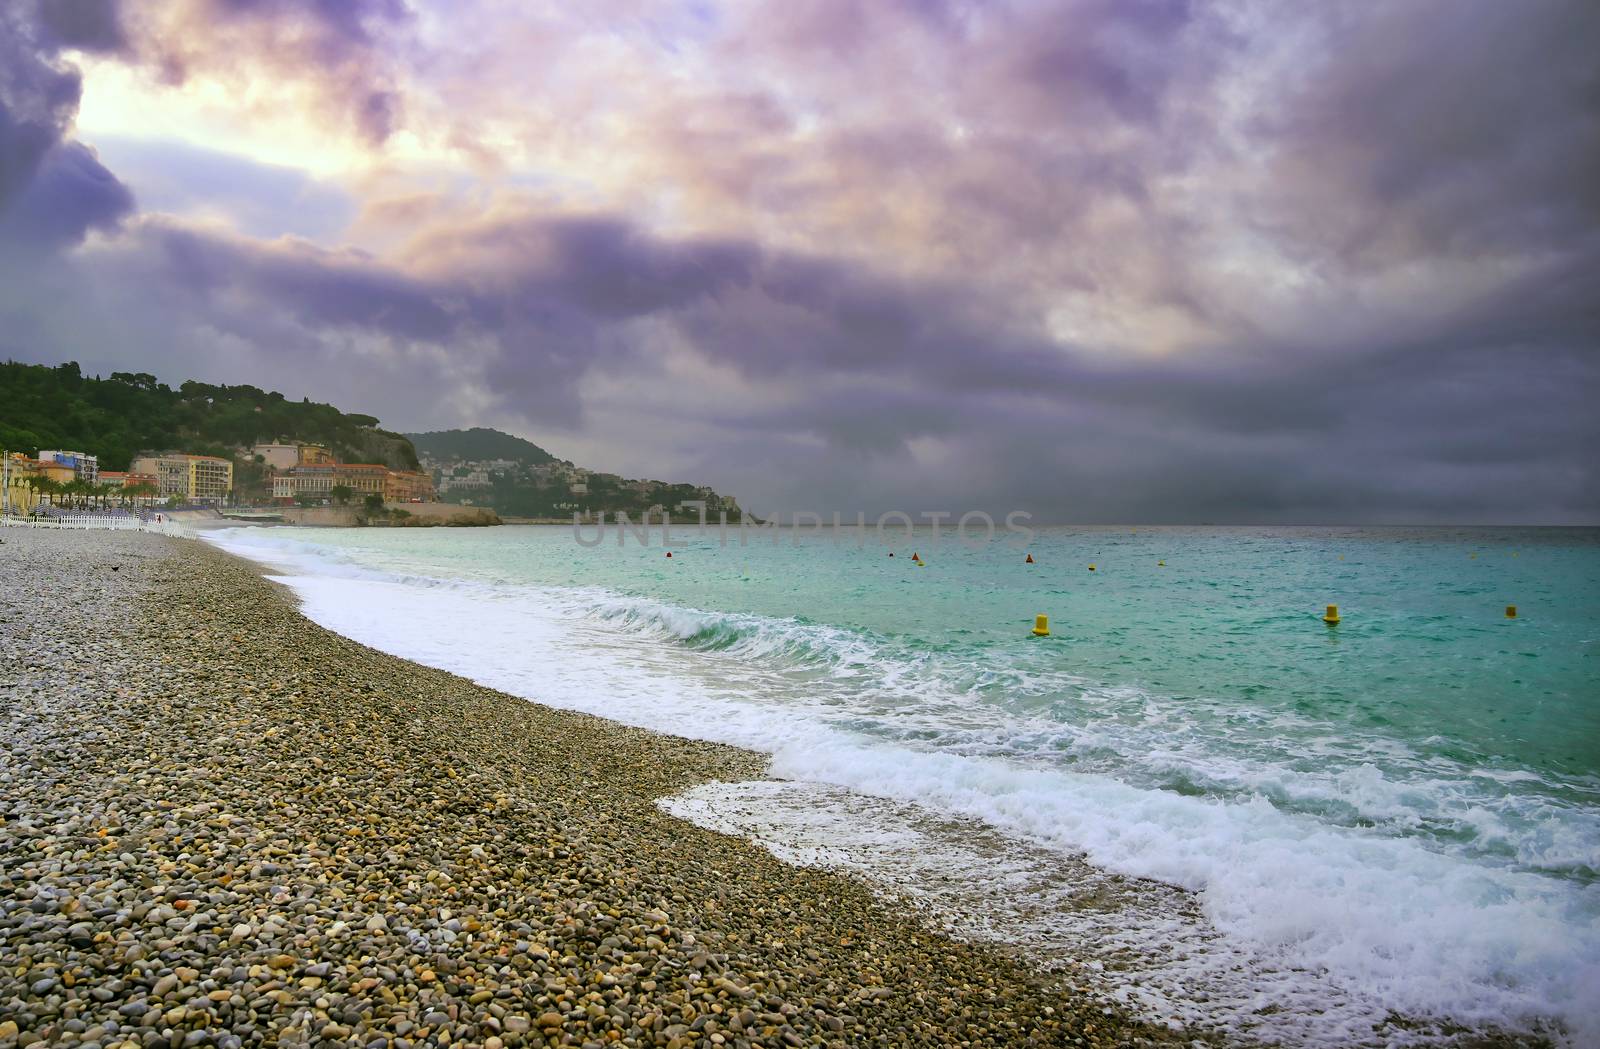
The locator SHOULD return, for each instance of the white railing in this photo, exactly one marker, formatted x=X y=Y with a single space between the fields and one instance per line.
x=165 y=526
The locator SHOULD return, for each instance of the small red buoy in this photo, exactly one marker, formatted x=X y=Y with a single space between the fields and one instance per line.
x=891 y=553
x=1029 y=561
x=669 y=553
x=915 y=556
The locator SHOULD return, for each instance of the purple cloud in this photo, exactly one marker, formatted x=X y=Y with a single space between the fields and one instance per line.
x=1105 y=261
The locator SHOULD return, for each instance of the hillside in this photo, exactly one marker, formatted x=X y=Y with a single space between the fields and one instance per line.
x=131 y=413
x=479 y=443
x=470 y=466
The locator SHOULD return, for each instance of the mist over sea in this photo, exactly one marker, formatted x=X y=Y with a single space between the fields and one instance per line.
x=1378 y=827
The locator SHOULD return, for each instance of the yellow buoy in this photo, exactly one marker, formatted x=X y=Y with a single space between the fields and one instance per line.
x=1161 y=564
x=1041 y=626
x=1091 y=568
x=1511 y=611
x=1332 y=615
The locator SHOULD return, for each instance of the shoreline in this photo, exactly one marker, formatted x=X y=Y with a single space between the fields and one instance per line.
x=278 y=836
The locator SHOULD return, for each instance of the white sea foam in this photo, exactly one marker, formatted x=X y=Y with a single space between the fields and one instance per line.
x=1358 y=918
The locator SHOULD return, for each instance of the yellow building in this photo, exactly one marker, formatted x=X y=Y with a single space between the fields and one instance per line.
x=17 y=494
x=60 y=473
x=193 y=478
x=364 y=478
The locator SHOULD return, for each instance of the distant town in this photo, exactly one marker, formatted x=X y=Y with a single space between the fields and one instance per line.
x=129 y=443
x=295 y=474
x=285 y=474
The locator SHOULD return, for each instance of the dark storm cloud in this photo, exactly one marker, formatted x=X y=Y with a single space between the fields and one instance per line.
x=52 y=191
x=1404 y=328
x=37 y=103
x=1443 y=130
x=70 y=194
x=876 y=366
x=315 y=288
x=88 y=25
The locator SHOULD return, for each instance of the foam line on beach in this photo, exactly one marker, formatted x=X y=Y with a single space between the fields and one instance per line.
x=1384 y=919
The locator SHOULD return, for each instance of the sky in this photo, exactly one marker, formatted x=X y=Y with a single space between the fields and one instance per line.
x=1120 y=261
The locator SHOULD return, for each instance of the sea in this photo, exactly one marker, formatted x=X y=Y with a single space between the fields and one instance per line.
x=1194 y=799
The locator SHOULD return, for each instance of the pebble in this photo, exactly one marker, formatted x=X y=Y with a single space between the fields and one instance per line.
x=222 y=825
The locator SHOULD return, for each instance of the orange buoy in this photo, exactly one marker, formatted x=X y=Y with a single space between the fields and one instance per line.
x=915 y=556
x=1029 y=561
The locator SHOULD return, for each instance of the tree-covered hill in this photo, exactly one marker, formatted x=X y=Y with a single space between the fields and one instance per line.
x=471 y=466
x=479 y=443
x=131 y=413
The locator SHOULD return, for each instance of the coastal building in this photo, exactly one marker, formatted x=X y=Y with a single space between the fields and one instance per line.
x=192 y=478
x=59 y=473
x=135 y=486
x=17 y=492
x=85 y=467
x=407 y=486
x=315 y=455
x=467 y=479
x=278 y=456
x=127 y=478
x=309 y=482
x=318 y=480
x=363 y=478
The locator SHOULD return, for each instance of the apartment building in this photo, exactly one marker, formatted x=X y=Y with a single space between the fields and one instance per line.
x=192 y=478
x=405 y=486
x=318 y=480
x=84 y=467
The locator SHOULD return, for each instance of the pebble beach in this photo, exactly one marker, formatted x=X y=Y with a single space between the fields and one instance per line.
x=223 y=825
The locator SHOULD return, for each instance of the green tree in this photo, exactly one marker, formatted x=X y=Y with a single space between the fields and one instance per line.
x=341 y=493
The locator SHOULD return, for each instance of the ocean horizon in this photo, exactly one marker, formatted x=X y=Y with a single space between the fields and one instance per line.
x=1216 y=807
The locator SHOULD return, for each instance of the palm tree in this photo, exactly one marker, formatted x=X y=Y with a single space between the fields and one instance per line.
x=73 y=489
x=44 y=489
x=143 y=490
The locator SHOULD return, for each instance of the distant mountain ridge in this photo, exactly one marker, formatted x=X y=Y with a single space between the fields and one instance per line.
x=470 y=466
x=479 y=443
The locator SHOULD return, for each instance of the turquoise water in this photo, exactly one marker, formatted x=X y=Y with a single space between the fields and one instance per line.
x=1426 y=745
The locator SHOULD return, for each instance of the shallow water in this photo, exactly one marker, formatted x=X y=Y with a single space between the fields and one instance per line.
x=1398 y=814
